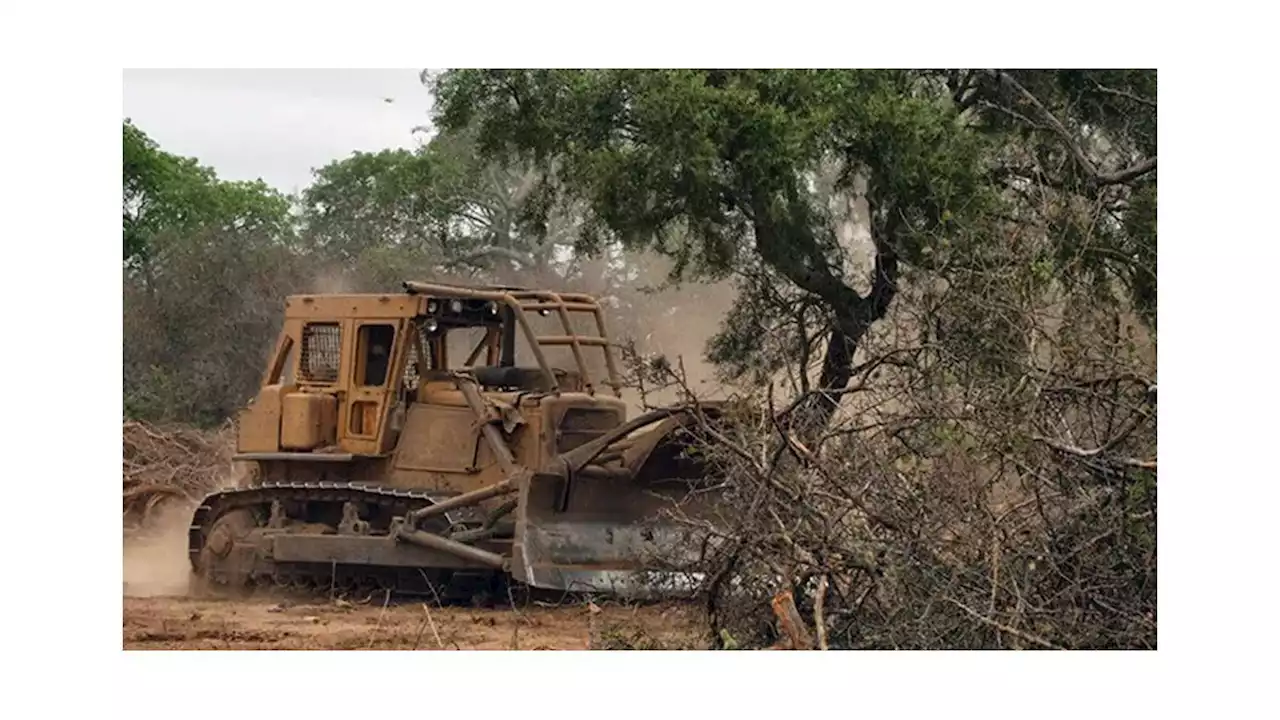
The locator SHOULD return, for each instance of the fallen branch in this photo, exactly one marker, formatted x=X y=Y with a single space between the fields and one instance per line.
x=790 y=624
x=1005 y=628
x=426 y=622
x=1067 y=449
x=820 y=623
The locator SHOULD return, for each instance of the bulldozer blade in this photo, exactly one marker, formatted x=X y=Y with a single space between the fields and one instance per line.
x=599 y=558
x=634 y=528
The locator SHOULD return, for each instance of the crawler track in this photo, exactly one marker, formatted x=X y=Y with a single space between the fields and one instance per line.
x=226 y=540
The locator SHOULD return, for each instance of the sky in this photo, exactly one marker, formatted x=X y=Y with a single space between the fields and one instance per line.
x=276 y=125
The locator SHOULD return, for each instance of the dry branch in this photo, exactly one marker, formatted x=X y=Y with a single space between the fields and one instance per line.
x=164 y=467
x=954 y=479
x=1005 y=628
x=820 y=622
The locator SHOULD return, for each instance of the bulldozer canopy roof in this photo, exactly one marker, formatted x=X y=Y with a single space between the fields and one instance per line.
x=389 y=305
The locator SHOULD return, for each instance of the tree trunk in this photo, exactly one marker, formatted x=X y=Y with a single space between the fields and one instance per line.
x=791 y=248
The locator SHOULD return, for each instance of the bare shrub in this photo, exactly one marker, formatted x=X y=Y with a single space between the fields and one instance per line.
x=199 y=321
x=988 y=480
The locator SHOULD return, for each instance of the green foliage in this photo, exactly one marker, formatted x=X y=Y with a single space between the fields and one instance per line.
x=439 y=203
x=205 y=263
x=730 y=173
x=726 y=640
x=370 y=199
x=691 y=162
x=196 y=333
x=167 y=194
x=718 y=169
x=1085 y=144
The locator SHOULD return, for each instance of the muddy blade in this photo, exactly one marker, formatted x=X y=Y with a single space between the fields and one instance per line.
x=595 y=558
x=629 y=532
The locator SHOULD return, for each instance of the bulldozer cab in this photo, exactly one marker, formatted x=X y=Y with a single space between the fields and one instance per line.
x=346 y=367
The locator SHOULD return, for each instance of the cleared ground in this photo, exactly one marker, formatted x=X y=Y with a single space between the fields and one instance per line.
x=158 y=615
x=179 y=623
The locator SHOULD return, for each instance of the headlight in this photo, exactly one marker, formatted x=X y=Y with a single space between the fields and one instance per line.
x=431 y=325
x=456 y=306
x=431 y=306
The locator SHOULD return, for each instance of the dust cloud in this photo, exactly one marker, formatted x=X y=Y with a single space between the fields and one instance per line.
x=677 y=325
x=155 y=561
x=331 y=282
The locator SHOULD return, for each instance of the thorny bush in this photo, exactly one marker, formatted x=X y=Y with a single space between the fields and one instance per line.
x=989 y=482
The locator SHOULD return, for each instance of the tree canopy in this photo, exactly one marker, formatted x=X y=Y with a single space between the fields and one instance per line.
x=720 y=169
x=165 y=193
x=441 y=201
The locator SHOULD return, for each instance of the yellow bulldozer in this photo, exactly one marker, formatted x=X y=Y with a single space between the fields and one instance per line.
x=381 y=457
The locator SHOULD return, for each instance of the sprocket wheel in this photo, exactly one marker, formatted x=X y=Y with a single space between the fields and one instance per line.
x=225 y=564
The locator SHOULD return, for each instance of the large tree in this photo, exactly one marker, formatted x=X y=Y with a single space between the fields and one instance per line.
x=721 y=170
x=438 y=204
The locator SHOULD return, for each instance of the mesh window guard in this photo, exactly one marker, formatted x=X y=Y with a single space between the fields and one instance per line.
x=321 y=352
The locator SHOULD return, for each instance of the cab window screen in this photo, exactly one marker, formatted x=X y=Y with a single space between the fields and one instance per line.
x=321 y=351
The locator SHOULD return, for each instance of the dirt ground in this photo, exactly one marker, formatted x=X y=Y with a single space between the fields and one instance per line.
x=158 y=615
x=179 y=623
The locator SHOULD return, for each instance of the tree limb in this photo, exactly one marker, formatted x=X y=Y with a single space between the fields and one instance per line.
x=790 y=625
x=1094 y=452
x=1128 y=174
x=1096 y=176
x=496 y=250
x=1125 y=94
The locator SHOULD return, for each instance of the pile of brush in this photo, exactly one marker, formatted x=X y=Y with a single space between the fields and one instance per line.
x=172 y=466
